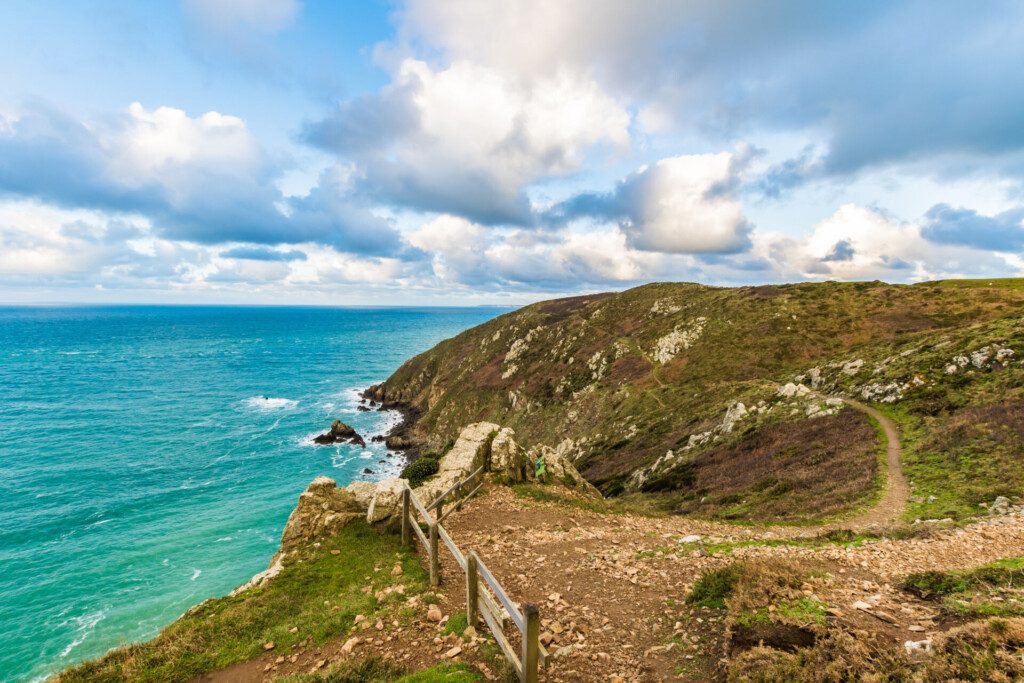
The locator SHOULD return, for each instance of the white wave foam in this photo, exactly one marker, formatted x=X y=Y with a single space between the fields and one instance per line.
x=224 y=539
x=266 y=404
x=195 y=574
x=84 y=626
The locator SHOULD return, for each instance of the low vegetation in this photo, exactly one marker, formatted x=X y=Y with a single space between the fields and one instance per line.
x=995 y=589
x=642 y=388
x=376 y=670
x=316 y=597
x=420 y=469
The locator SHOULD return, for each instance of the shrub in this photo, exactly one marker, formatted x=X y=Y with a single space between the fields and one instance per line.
x=419 y=470
x=712 y=589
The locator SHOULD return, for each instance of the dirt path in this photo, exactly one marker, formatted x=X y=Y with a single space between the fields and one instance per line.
x=612 y=588
x=890 y=508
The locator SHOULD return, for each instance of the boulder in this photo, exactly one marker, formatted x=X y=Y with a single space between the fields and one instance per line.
x=363 y=492
x=397 y=442
x=387 y=500
x=508 y=459
x=339 y=433
x=323 y=509
x=559 y=468
x=471 y=450
x=1000 y=506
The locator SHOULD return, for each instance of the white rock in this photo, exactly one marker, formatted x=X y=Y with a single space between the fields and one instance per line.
x=387 y=499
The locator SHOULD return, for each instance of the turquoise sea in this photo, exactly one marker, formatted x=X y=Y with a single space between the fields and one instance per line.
x=149 y=456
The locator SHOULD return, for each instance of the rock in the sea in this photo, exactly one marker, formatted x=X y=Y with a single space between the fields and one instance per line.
x=323 y=509
x=339 y=433
x=363 y=409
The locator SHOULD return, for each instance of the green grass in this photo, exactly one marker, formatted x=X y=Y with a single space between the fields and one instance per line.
x=714 y=587
x=376 y=670
x=995 y=589
x=999 y=282
x=1007 y=573
x=317 y=592
x=801 y=611
x=457 y=623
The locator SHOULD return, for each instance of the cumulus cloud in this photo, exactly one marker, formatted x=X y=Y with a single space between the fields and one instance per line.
x=465 y=253
x=1002 y=232
x=876 y=83
x=204 y=179
x=467 y=139
x=862 y=243
x=682 y=204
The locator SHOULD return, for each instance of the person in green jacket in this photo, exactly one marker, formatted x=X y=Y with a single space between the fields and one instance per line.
x=540 y=468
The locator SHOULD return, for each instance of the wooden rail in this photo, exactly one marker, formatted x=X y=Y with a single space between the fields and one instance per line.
x=484 y=599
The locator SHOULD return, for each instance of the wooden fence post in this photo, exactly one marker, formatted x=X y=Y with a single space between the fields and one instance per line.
x=531 y=643
x=472 y=591
x=435 y=558
x=405 y=516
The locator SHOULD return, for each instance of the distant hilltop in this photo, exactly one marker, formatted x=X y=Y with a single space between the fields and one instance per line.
x=727 y=402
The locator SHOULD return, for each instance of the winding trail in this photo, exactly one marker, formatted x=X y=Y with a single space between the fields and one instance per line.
x=890 y=508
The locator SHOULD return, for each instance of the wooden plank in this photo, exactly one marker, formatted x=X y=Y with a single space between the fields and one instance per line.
x=454 y=549
x=405 y=515
x=531 y=643
x=427 y=517
x=422 y=536
x=458 y=504
x=499 y=593
x=440 y=498
x=435 y=559
x=472 y=591
x=500 y=639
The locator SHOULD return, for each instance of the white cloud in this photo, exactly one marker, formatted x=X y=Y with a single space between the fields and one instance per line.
x=166 y=145
x=685 y=204
x=861 y=243
x=468 y=139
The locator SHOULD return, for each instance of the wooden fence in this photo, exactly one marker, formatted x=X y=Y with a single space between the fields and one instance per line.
x=487 y=600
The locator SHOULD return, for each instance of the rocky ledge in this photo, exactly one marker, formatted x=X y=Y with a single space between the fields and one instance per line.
x=339 y=433
x=324 y=508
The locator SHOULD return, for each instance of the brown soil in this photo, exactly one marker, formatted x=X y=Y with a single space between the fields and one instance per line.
x=615 y=586
x=894 y=500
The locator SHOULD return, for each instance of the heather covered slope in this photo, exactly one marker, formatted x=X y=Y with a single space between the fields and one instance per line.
x=680 y=391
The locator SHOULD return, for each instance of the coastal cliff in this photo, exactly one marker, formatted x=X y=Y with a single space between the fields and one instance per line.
x=681 y=391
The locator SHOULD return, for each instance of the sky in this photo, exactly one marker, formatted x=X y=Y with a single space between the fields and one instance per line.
x=426 y=152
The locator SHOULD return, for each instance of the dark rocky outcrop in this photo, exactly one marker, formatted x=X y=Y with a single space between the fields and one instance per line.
x=339 y=433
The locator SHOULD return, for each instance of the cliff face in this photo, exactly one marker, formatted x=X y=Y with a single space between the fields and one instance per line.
x=660 y=387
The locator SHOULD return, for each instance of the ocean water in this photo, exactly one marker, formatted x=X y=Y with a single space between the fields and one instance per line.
x=149 y=456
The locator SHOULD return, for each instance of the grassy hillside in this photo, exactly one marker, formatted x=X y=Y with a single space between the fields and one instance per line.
x=315 y=598
x=641 y=389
